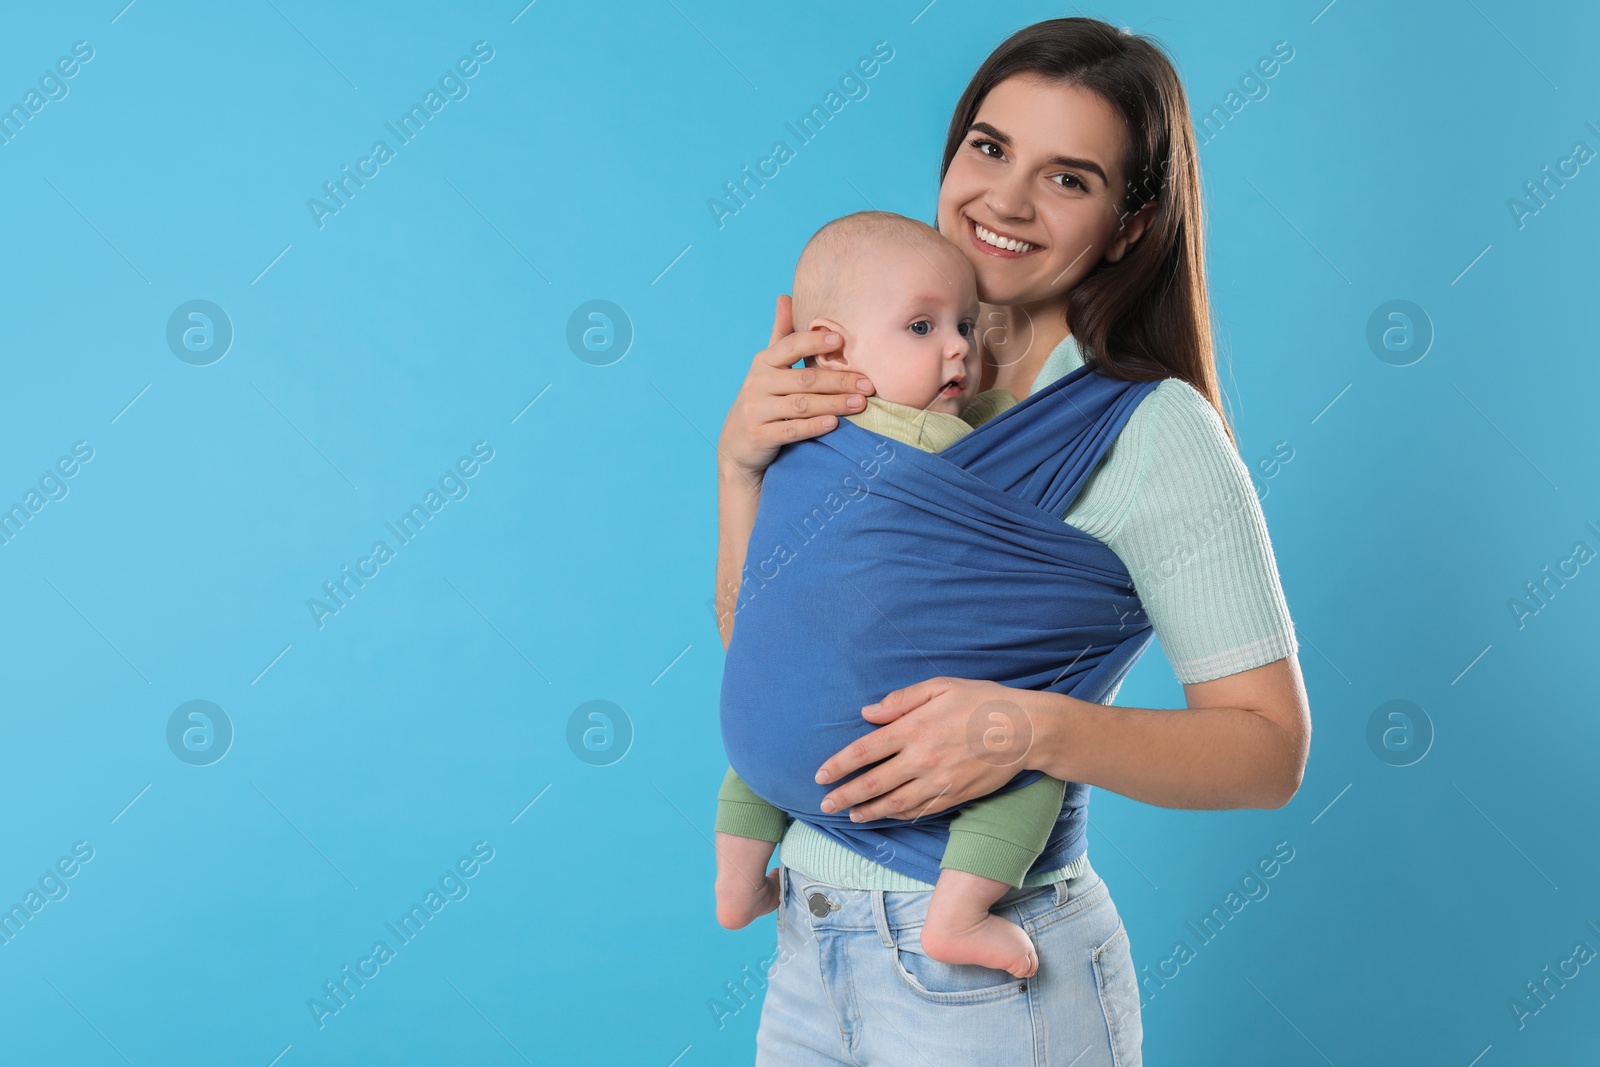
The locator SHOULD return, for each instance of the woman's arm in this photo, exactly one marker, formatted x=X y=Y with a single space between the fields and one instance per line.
x=738 y=493
x=1241 y=743
x=777 y=404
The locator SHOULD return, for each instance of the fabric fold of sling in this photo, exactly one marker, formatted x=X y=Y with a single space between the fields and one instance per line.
x=874 y=565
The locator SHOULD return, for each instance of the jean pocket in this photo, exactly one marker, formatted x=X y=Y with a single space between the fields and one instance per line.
x=1118 y=987
x=949 y=983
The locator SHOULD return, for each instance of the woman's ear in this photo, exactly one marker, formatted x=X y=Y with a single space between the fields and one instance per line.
x=1133 y=227
x=831 y=360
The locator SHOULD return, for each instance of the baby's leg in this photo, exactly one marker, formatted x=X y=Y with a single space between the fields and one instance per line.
x=747 y=828
x=745 y=891
x=992 y=844
x=960 y=928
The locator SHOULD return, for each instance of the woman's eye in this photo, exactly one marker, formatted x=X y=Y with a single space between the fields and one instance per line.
x=1071 y=181
x=983 y=146
x=921 y=328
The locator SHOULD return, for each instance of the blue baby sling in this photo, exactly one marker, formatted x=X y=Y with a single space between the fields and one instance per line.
x=874 y=565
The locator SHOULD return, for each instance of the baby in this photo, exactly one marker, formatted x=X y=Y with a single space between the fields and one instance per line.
x=905 y=302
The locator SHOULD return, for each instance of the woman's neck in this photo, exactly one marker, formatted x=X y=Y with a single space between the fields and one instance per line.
x=1017 y=339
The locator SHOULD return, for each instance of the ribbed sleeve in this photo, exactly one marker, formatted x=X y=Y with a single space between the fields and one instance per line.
x=743 y=814
x=1174 y=501
x=1000 y=836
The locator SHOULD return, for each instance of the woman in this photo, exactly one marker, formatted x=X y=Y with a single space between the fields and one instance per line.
x=1070 y=181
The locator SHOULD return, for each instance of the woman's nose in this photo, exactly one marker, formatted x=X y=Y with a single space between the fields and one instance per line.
x=1008 y=197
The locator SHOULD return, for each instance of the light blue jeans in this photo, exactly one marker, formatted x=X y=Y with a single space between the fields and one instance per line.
x=851 y=984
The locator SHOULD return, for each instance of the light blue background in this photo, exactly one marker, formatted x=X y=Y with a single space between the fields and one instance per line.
x=428 y=714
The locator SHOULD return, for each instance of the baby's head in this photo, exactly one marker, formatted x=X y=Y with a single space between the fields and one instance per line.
x=904 y=300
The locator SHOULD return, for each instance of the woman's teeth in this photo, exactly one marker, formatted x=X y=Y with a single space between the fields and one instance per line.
x=989 y=237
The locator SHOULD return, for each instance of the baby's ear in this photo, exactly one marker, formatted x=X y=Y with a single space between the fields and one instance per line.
x=828 y=360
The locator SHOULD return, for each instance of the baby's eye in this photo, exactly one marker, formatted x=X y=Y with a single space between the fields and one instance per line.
x=921 y=328
x=966 y=329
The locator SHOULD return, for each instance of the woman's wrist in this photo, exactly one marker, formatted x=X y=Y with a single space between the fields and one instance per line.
x=733 y=475
x=1053 y=718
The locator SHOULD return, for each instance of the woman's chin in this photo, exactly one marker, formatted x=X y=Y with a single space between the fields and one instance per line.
x=1003 y=292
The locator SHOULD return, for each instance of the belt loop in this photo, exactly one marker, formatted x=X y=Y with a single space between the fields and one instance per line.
x=1063 y=891
x=880 y=918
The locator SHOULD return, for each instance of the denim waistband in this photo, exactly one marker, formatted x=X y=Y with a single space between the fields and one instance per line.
x=884 y=910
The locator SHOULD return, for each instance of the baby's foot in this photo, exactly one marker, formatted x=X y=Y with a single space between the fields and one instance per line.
x=985 y=939
x=743 y=898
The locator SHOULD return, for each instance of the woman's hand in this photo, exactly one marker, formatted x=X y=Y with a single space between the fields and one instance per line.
x=779 y=403
x=776 y=404
x=946 y=741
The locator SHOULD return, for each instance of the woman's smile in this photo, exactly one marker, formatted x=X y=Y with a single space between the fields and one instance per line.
x=994 y=243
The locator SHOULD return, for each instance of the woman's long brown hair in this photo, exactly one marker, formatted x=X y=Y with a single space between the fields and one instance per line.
x=1146 y=316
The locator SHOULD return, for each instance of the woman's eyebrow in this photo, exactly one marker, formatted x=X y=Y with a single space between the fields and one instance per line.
x=984 y=127
x=1065 y=161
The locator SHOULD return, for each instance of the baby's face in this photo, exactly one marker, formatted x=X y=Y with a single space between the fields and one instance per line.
x=911 y=324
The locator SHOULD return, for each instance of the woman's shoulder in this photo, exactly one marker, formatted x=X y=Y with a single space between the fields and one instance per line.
x=1189 y=527
x=1178 y=439
x=1173 y=431
x=1176 y=409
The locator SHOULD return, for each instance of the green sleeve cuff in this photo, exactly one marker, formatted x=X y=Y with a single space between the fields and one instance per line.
x=1001 y=836
x=742 y=813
